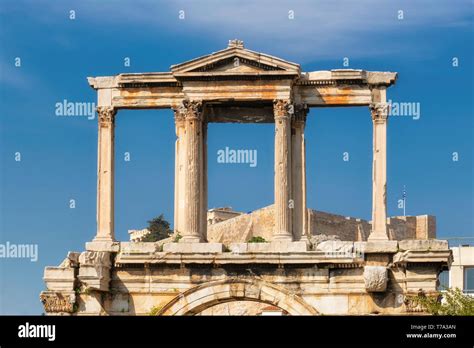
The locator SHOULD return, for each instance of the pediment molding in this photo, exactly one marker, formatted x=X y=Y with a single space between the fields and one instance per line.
x=236 y=60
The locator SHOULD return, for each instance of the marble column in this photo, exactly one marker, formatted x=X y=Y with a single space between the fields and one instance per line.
x=298 y=176
x=379 y=110
x=192 y=219
x=179 y=176
x=105 y=175
x=283 y=221
x=204 y=181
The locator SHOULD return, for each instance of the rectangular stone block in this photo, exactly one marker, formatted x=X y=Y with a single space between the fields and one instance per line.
x=138 y=248
x=423 y=244
x=270 y=247
x=380 y=246
x=103 y=246
x=198 y=248
x=59 y=278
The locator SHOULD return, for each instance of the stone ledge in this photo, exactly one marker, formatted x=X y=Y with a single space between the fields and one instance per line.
x=59 y=278
x=229 y=258
x=198 y=248
x=138 y=247
x=270 y=247
x=422 y=256
x=375 y=247
x=423 y=244
x=103 y=246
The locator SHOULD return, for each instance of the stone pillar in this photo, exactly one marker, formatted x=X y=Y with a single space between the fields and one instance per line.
x=204 y=182
x=298 y=159
x=379 y=110
x=105 y=175
x=179 y=176
x=193 y=173
x=283 y=222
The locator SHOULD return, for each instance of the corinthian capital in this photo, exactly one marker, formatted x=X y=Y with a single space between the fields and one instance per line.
x=179 y=114
x=282 y=108
x=106 y=115
x=379 y=111
x=190 y=110
x=299 y=117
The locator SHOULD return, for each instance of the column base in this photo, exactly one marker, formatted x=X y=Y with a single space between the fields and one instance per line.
x=282 y=237
x=305 y=238
x=103 y=245
x=378 y=235
x=189 y=239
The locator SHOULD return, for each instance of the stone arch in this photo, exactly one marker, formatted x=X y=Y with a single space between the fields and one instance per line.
x=206 y=295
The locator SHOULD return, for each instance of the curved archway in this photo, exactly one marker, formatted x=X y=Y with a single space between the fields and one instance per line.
x=204 y=296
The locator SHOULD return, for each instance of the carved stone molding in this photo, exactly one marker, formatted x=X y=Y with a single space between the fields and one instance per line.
x=106 y=115
x=190 y=110
x=94 y=270
x=282 y=108
x=95 y=258
x=379 y=112
x=235 y=43
x=375 y=278
x=179 y=115
x=56 y=302
x=299 y=116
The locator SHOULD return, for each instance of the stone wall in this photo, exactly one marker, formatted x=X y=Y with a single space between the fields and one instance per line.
x=140 y=279
x=261 y=223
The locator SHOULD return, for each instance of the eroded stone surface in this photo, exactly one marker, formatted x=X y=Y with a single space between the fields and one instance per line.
x=94 y=271
x=375 y=278
x=58 y=302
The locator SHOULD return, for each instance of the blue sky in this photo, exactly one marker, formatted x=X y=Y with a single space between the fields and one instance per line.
x=59 y=154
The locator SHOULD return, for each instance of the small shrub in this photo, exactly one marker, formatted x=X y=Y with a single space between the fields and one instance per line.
x=455 y=303
x=257 y=239
x=155 y=310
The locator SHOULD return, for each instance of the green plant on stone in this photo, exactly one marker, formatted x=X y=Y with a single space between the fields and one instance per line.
x=449 y=302
x=257 y=239
x=177 y=238
x=155 y=310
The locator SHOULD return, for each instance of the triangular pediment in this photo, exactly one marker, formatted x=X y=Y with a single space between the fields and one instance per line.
x=236 y=60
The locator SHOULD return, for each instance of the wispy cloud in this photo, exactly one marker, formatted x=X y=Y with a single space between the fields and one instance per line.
x=14 y=77
x=320 y=29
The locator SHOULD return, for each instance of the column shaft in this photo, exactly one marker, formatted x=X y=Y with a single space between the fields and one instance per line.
x=180 y=162
x=283 y=222
x=379 y=111
x=193 y=173
x=204 y=183
x=105 y=174
x=298 y=159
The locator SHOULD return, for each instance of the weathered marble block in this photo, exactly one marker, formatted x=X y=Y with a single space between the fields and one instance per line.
x=197 y=248
x=59 y=278
x=375 y=278
x=94 y=270
x=423 y=244
x=55 y=302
